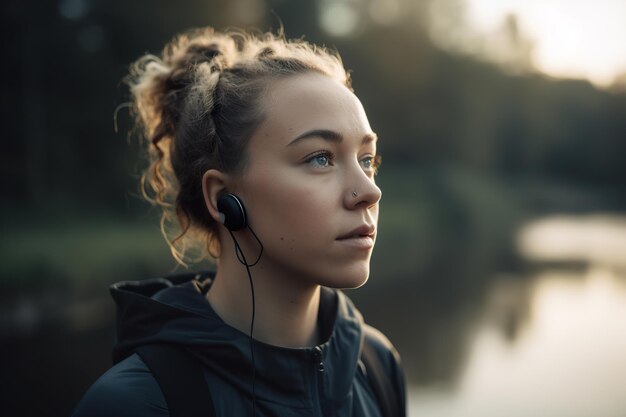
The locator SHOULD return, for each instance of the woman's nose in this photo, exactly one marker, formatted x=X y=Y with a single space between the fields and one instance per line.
x=362 y=191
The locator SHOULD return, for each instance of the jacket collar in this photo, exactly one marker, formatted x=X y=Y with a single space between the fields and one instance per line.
x=156 y=311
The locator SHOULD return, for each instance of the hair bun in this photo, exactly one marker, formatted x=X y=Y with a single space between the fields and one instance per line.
x=204 y=52
x=196 y=54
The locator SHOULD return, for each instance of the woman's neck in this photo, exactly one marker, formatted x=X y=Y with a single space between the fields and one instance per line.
x=286 y=309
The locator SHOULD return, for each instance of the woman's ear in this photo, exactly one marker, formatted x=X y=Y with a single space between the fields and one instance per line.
x=213 y=185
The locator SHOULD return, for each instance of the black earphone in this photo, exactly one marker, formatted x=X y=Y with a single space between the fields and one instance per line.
x=232 y=213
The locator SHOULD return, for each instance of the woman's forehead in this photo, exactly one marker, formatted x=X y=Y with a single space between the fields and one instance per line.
x=311 y=101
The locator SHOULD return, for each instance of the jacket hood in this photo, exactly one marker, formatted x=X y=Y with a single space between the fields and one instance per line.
x=166 y=311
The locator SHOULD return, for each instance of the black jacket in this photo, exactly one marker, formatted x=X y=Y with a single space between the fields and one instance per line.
x=326 y=380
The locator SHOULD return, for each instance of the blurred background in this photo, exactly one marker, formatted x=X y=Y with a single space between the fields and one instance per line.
x=500 y=267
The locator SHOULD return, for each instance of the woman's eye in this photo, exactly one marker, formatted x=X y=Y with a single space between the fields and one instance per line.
x=320 y=160
x=370 y=163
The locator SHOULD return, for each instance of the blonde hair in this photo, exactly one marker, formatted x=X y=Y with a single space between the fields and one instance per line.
x=197 y=105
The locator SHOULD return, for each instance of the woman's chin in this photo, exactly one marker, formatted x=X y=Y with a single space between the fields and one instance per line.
x=349 y=279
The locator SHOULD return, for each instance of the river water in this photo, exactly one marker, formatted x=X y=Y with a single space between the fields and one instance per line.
x=548 y=342
x=568 y=354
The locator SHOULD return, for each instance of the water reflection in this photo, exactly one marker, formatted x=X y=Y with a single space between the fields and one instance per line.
x=597 y=239
x=553 y=344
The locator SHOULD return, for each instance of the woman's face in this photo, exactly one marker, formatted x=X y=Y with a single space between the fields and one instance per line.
x=313 y=151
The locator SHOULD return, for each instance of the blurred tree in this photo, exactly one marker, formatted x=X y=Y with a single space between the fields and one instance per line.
x=430 y=106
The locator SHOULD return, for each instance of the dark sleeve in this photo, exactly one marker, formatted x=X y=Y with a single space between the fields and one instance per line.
x=391 y=360
x=126 y=390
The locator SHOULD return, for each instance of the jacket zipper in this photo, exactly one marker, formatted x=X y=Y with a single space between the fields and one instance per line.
x=318 y=363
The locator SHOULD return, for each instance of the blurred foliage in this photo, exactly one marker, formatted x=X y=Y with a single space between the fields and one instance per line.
x=429 y=107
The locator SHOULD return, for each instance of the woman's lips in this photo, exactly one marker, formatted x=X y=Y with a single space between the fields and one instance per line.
x=361 y=237
x=358 y=242
x=361 y=231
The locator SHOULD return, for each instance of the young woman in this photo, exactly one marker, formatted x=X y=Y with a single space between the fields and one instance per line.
x=260 y=154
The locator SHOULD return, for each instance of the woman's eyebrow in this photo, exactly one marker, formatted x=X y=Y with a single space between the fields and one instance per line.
x=330 y=136
x=369 y=138
x=327 y=135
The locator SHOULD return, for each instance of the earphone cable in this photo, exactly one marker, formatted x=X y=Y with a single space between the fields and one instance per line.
x=242 y=258
x=239 y=252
